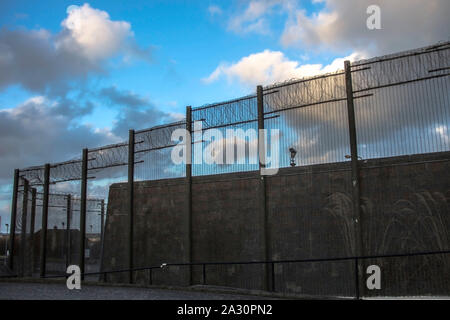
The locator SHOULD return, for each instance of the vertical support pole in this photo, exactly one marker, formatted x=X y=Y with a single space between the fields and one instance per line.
x=354 y=163
x=261 y=142
x=357 y=294
x=67 y=237
x=23 y=229
x=44 y=220
x=188 y=141
x=204 y=274
x=102 y=277
x=84 y=171
x=12 y=230
x=150 y=282
x=272 y=287
x=102 y=220
x=131 y=201
x=32 y=222
x=262 y=165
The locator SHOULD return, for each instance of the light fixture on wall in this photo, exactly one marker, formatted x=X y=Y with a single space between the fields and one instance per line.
x=293 y=153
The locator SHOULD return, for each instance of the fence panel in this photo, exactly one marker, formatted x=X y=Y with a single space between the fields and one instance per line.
x=152 y=154
x=107 y=175
x=219 y=132
x=408 y=112
x=311 y=116
x=153 y=161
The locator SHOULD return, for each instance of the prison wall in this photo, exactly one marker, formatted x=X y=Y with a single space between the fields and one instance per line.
x=404 y=208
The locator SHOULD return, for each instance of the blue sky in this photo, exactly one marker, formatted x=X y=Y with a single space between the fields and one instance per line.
x=77 y=74
x=187 y=43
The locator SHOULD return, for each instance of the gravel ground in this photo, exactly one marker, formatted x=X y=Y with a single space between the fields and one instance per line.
x=39 y=291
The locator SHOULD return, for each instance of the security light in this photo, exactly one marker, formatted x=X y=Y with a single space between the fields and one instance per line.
x=293 y=153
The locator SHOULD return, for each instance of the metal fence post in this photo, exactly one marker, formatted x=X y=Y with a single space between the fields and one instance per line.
x=354 y=163
x=44 y=220
x=67 y=238
x=150 y=282
x=84 y=172
x=102 y=219
x=357 y=294
x=131 y=201
x=23 y=228
x=32 y=222
x=188 y=142
x=262 y=165
x=102 y=277
x=272 y=287
x=204 y=274
x=12 y=230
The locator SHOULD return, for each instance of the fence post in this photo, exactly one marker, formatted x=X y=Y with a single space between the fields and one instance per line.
x=262 y=165
x=102 y=277
x=188 y=142
x=357 y=294
x=354 y=164
x=12 y=230
x=32 y=222
x=102 y=219
x=272 y=287
x=44 y=220
x=150 y=282
x=204 y=274
x=131 y=201
x=68 y=211
x=83 y=195
x=23 y=228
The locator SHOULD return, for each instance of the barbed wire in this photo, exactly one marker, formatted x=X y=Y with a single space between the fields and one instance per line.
x=400 y=68
x=227 y=113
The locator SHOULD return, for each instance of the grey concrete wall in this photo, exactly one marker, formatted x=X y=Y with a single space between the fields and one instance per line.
x=228 y=226
x=405 y=208
x=309 y=210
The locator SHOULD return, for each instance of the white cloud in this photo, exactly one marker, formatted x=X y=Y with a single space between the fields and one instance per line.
x=94 y=32
x=341 y=24
x=253 y=19
x=272 y=66
x=40 y=130
x=406 y=24
x=214 y=10
x=39 y=60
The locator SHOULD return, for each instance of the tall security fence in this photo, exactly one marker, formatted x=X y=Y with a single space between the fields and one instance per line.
x=332 y=132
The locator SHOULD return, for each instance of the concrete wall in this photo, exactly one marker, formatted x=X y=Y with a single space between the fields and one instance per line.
x=405 y=208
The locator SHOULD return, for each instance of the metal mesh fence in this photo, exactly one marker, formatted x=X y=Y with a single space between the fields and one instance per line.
x=408 y=112
x=401 y=107
x=107 y=167
x=224 y=137
x=153 y=150
x=56 y=232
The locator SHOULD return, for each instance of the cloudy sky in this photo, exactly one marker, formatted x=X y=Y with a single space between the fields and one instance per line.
x=80 y=74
